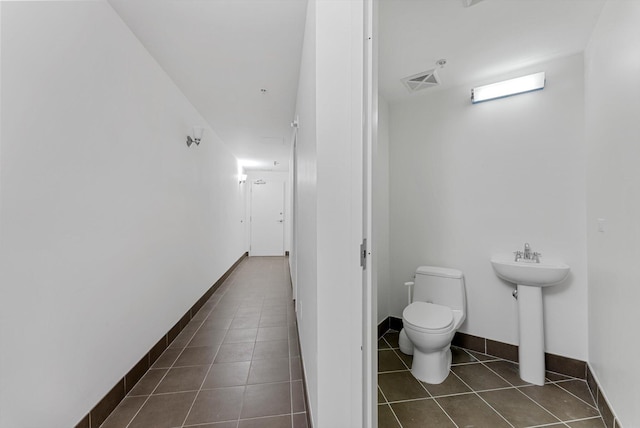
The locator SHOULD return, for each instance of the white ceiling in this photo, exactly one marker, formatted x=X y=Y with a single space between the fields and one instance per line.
x=221 y=53
x=487 y=39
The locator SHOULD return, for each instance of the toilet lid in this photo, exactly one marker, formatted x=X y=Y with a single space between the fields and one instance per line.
x=428 y=316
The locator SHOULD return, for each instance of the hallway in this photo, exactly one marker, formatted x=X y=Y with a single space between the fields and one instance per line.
x=235 y=365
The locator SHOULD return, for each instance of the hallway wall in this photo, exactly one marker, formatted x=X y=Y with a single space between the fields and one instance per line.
x=110 y=227
x=472 y=181
x=329 y=211
x=305 y=205
x=613 y=194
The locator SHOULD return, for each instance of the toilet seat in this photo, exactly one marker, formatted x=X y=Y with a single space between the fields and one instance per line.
x=428 y=317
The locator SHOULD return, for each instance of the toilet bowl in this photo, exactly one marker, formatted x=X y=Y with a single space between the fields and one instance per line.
x=430 y=321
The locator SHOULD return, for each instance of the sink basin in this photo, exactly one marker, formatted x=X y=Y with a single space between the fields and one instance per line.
x=532 y=274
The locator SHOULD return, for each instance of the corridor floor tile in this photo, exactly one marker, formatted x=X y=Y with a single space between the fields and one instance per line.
x=268 y=422
x=235 y=365
x=164 y=411
x=182 y=379
x=267 y=399
x=216 y=405
x=124 y=413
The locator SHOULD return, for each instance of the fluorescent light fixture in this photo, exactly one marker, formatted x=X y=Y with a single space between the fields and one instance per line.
x=520 y=85
x=249 y=163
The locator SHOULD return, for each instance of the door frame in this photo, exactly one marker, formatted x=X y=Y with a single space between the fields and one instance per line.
x=369 y=282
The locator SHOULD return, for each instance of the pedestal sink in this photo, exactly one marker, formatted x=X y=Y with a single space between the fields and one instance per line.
x=530 y=278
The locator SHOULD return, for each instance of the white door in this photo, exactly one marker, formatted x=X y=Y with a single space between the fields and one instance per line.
x=267 y=218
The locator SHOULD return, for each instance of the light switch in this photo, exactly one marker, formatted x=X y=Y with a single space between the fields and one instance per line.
x=601 y=225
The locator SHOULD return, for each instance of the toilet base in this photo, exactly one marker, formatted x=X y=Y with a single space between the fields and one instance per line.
x=433 y=367
x=406 y=347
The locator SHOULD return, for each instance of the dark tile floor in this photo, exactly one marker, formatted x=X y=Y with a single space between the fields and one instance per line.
x=480 y=391
x=235 y=365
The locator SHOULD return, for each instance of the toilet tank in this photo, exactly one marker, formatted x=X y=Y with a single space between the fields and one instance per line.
x=442 y=286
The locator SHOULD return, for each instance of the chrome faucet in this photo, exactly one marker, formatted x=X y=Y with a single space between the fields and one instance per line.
x=527 y=254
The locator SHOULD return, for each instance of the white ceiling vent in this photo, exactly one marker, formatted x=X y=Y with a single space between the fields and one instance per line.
x=423 y=80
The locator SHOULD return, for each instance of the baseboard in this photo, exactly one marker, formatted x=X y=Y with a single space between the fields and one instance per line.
x=304 y=381
x=609 y=418
x=555 y=363
x=110 y=401
x=304 y=371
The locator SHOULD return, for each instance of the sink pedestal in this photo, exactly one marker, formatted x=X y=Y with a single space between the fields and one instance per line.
x=531 y=329
x=531 y=278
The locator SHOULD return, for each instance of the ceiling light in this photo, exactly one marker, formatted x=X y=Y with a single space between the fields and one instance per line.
x=520 y=85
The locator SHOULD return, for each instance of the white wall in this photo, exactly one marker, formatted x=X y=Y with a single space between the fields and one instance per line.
x=293 y=208
x=339 y=114
x=471 y=181
x=612 y=111
x=380 y=207
x=329 y=211
x=111 y=228
x=305 y=206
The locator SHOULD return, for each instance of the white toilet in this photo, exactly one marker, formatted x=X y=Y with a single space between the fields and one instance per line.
x=437 y=308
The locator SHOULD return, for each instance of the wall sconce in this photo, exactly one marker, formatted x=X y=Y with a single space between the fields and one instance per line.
x=197 y=136
x=243 y=178
x=520 y=85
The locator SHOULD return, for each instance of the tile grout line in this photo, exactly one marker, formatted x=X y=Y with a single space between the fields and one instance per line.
x=571 y=393
x=478 y=395
x=539 y=405
x=497 y=374
x=457 y=394
x=438 y=404
x=492 y=408
x=429 y=395
x=566 y=378
x=214 y=356
x=550 y=424
x=517 y=387
x=387 y=401
x=571 y=420
x=390 y=408
x=152 y=391
x=393 y=412
x=584 y=419
x=168 y=369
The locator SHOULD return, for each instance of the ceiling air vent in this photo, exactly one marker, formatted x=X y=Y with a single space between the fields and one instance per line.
x=420 y=81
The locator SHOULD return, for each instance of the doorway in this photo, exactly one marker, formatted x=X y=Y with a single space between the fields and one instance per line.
x=266 y=218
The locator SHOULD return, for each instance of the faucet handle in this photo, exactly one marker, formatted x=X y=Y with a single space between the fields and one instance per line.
x=536 y=256
x=518 y=255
